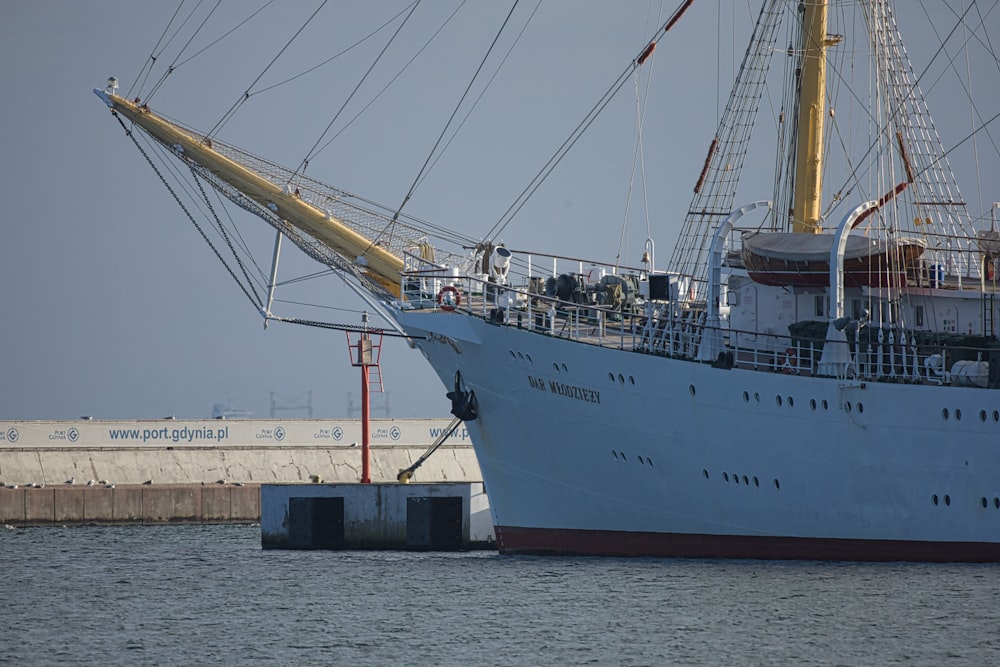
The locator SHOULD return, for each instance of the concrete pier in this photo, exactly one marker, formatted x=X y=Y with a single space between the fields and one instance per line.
x=446 y=516
x=130 y=504
x=206 y=451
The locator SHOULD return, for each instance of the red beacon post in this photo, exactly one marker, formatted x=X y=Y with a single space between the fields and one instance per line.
x=365 y=352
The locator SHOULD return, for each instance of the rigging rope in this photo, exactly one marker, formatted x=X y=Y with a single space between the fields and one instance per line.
x=184 y=208
x=246 y=95
x=222 y=231
x=309 y=154
x=582 y=127
x=465 y=93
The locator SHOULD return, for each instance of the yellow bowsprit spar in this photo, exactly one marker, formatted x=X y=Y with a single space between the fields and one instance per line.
x=373 y=255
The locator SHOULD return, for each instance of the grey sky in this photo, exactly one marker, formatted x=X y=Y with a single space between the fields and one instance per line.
x=114 y=306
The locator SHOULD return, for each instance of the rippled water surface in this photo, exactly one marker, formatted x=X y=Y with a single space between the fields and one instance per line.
x=182 y=595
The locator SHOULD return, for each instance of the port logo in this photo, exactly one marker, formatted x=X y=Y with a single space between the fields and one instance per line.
x=279 y=433
x=12 y=434
x=338 y=433
x=394 y=433
x=73 y=434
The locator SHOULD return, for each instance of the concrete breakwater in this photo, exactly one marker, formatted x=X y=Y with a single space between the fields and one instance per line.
x=130 y=504
x=248 y=451
x=186 y=464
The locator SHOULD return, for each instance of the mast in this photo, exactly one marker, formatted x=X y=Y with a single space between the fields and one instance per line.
x=380 y=264
x=808 y=196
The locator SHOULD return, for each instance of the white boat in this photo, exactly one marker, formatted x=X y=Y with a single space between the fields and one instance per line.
x=704 y=411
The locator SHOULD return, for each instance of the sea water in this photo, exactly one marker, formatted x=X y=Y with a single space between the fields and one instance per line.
x=208 y=595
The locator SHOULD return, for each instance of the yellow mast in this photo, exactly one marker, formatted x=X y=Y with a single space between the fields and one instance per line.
x=808 y=196
x=380 y=264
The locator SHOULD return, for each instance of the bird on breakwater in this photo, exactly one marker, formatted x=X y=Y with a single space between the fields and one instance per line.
x=104 y=482
x=71 y=480
x=12 y=486
x=91 y=482
x=147 y=482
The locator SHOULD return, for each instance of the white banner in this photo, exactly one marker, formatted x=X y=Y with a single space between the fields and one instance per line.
x=223 y=432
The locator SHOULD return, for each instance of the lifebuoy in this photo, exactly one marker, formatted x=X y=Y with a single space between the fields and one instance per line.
x=789 y=363
x=449 y=298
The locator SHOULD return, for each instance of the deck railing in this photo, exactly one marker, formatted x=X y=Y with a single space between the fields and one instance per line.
x=677 y=329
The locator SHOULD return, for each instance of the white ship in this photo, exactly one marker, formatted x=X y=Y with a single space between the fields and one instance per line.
x=816 y=375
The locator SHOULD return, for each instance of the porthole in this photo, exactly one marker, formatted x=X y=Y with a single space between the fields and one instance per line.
x=996 y=503
x=631 y=380
x=705 y=473
x=756 y=396
x=847 y=407
x=736 y=478
x=513 y=355
x=934 y=499
x=982 y=415
x=777 y=400
x=944 y=414
x=746 y=396
x=614 y=454
x=565 y=370
x=649 y=462
x=756 y=482
x=791 y=401
x=622 y=455
x=640 y=460
x=958 y=414
x=621 y=378
x=826 y=406
x=947 y=500
x=611 y=376
x=812 y=404
x=984 y=502
x=725 y=476
x=528 y=357
x=777 y=484
x=996 y=415
x=861 y=408
x=746 y=481
x=520 y=356
x=691 y=389
x=555 y=366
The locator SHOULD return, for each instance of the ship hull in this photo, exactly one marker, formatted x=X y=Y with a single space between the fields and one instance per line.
x=591 y=450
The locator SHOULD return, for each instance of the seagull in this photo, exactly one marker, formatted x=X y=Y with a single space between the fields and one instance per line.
x=103 y=482
x=220 y=481
x=91 y=483
x=148 y=482
x=12 y=486
x=71 y=480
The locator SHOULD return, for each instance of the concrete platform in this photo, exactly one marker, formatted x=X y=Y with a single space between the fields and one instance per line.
x=442 y=516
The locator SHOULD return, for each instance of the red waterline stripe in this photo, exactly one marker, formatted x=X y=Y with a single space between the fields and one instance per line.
x=554 y=541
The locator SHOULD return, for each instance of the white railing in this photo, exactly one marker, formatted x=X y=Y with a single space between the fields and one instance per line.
x=677 y=329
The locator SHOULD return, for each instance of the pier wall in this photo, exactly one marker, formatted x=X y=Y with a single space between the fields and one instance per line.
x=248 y=451
x=130 y=504
x=203 y=471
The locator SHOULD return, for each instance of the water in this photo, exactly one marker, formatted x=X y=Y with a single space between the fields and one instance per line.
x=184 y=595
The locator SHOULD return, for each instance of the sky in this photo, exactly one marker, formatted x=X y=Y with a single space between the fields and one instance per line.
x=115 y=308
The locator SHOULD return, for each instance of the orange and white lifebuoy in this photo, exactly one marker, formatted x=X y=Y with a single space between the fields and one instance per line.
x=789 y=364
x=449 y=298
